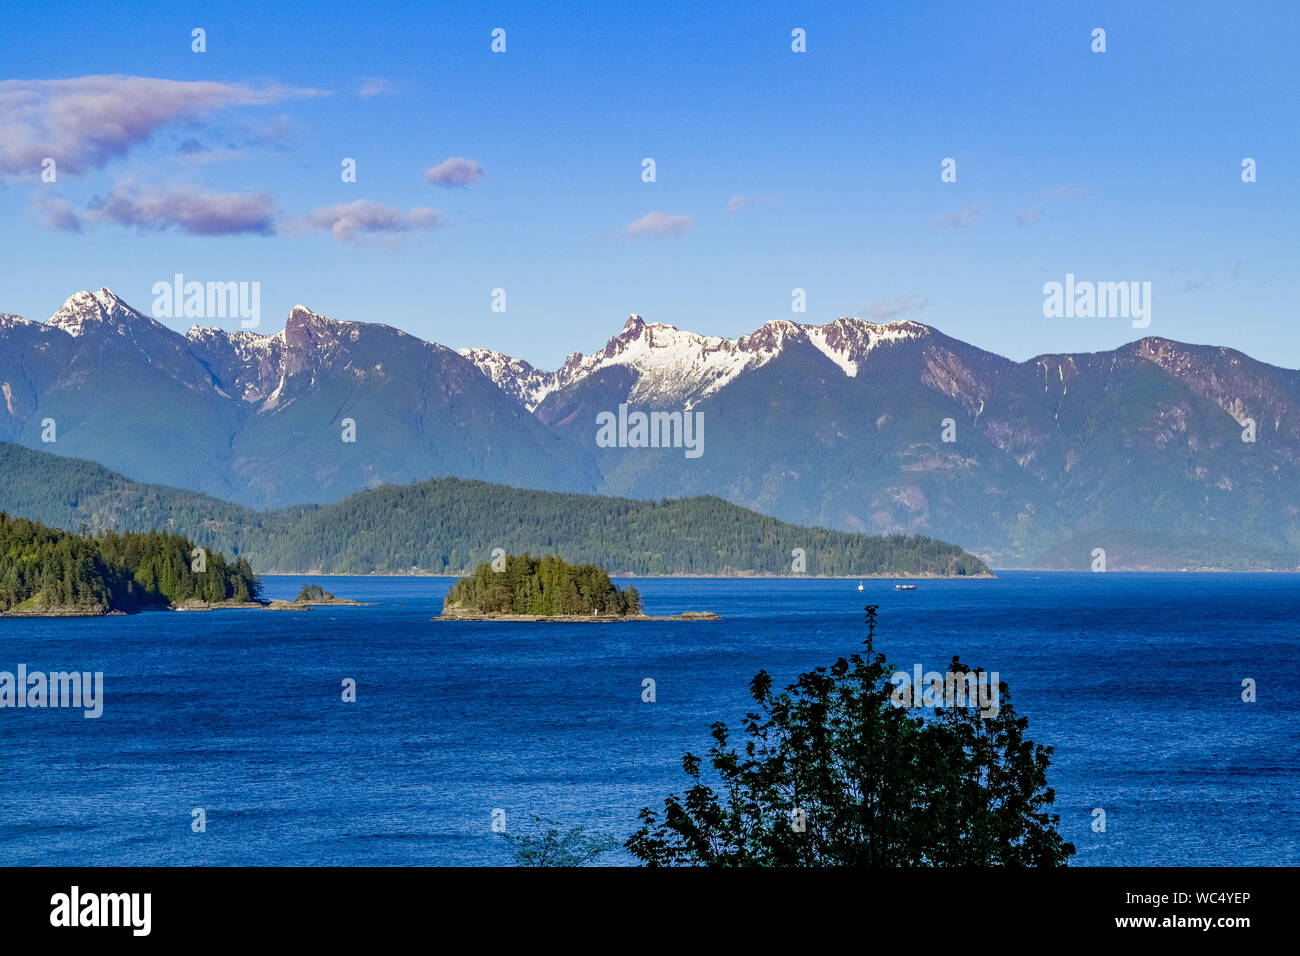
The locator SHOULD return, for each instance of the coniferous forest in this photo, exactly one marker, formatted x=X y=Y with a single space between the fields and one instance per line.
x=450 y=525
x=528 y=585
x=45 y=570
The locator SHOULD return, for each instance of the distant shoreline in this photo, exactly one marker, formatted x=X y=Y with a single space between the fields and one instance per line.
x=67 y=612
x=658 y=577
x=189 y=607
x=815 y=577
x=577 y=618
x=268 y=605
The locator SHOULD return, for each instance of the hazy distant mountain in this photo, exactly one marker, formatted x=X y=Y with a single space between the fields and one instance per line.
x=842 y=425
x=260 y=418
x=839 y=425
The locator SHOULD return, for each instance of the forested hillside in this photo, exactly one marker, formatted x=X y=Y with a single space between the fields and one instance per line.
x=451 y=525
x=45 y=570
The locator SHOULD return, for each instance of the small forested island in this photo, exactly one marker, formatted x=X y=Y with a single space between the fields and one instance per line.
x=45 y=572
x=312 y=595
x=546 y=589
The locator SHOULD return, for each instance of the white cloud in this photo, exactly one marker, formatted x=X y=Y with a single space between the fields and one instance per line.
x=189 y=209
x=58 y=213
x=84 y=122
x=455 y=171
x=660 y=225
x=883 y=310
x=1027 y=217
x=371 y=86
x=960 y=217
x=362 y=217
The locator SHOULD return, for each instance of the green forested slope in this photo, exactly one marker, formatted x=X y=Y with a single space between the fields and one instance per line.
x=43 y=569
x=450 y=525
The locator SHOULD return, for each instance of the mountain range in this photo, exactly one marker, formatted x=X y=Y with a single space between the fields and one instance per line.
x=841 y=425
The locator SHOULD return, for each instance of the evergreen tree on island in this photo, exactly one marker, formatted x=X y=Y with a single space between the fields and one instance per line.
x=545 y=586
x=46 y=570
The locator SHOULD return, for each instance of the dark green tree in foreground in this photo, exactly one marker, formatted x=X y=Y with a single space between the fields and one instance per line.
x=833 y=772
x=552 y=846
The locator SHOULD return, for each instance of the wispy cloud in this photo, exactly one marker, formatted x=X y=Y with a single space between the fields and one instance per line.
x=188 y=209
x=882 y=310
x=1033 y=214
x=1059 y=192
x=1185 y=280
x=86 y=121
x=455 y=171
x=281 y=132
x=57 y=213
x=738 y=202
x=193 y=151
x=371 y=86
x=960 y=217
x=204 y=213
x=659 y=225
x=364 y=217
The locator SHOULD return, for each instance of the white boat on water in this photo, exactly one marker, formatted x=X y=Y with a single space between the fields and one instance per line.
x=859 y=585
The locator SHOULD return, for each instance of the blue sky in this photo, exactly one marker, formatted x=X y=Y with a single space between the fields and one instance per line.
x=1115 y=166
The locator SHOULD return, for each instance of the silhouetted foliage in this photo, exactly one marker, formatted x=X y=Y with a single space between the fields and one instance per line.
x=552 y=846
x=872 y=783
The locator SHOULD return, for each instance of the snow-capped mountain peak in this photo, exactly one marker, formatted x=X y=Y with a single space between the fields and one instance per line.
x=85 y=310
x=682 y=368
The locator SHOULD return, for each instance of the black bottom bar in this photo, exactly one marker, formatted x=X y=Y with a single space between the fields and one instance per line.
x=335 y=905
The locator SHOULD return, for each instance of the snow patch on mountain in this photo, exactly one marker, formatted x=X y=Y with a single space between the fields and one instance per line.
x=848 y=341
x=513 y=376
x=85 y=310
x=683 y=368
x=246 y=345
x=269 y=370
x=674 y=366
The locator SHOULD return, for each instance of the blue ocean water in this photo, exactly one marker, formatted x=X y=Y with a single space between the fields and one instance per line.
x=1135 y=680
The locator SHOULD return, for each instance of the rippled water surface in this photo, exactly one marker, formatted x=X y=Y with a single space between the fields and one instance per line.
x=1135 y=680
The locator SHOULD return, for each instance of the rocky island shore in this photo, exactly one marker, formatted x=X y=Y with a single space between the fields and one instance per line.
x=47 y=572
x=528 y=589
x=578 y=618
x=311 y=595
